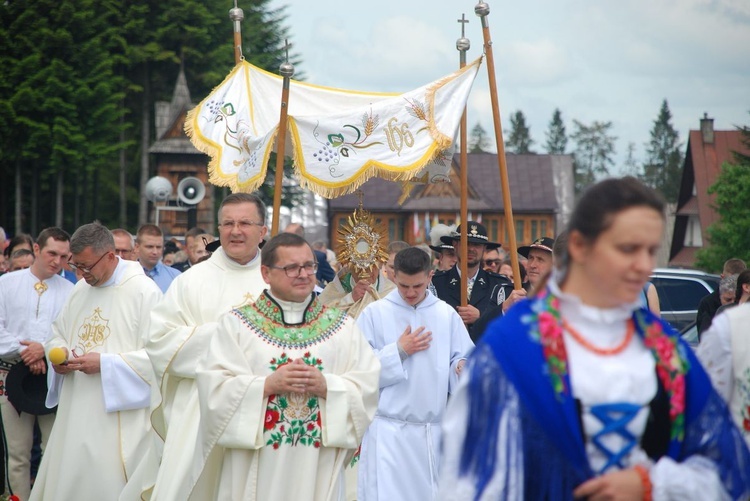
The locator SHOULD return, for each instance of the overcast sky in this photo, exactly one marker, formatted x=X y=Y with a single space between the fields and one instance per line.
x=600 y=60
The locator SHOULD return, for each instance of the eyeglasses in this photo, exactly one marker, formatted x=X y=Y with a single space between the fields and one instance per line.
x=86 y=269
x=492 y=262
x=243 y=225
x=295 y=270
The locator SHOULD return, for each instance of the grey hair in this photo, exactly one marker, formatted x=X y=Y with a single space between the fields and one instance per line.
x=728 y=283
x=93 y=235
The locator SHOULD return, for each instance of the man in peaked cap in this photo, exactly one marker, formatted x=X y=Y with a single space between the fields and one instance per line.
x=538 y=265
x=486 y=289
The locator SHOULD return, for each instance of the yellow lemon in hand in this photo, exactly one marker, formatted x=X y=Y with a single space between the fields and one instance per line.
x=57 y=356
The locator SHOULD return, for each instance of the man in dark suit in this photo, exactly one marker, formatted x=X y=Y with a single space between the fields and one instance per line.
x=486 y=289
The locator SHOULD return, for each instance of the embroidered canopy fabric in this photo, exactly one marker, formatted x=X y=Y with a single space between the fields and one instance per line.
x=338 y=138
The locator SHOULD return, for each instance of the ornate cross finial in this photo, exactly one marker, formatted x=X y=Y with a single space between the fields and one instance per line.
x=463 y=44
x=360 y=196
x=286 y=48
x=463 y=22
x=286 y=69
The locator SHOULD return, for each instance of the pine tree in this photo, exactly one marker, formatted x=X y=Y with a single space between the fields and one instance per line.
x=478 y=141
x=663 y=167
x=519 y=141
x=595 y=148
x=631 y=167
x=557 y=140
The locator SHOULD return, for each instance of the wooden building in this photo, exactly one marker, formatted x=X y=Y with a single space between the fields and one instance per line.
x=707 y=151
x=541 y=188
x=176 y=158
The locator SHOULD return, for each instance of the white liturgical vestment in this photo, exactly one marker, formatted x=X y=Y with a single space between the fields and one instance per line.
x=101 y=445
x=285 y=446
x=182 y=326
x=400 y=456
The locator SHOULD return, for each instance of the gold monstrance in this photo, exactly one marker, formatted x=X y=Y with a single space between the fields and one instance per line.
x=363 y=243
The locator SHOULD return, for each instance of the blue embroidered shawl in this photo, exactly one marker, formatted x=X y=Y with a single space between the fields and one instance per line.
x=523 y=352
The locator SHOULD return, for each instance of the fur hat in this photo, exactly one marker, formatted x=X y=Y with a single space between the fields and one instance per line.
x=436 y=233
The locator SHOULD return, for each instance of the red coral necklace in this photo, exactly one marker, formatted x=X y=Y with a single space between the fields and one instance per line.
x=602 y=351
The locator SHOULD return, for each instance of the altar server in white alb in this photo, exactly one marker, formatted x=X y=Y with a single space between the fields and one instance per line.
x=102 y=439
x=287 y=388
x=422 y=345
x=182 y=326
x=30 y=300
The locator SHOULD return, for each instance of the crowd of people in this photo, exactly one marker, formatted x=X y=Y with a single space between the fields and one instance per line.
x=257 y=367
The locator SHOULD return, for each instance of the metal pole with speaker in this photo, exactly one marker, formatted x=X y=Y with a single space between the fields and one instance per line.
x=190 y=191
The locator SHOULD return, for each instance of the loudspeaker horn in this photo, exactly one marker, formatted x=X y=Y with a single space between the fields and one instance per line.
x=191 y=191
x=158 y=189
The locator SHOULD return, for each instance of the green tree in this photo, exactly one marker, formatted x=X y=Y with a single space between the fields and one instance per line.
x=663 y=167
x=557 y=140
x=60 y=95
x=631 y=166
x=519 y=140
x=730 y=235
x=593 y=153
x=77 y=97
x=478 y=141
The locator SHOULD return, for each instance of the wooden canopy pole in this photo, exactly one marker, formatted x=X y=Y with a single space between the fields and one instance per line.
x=482 y=10
x=462 y=45
x=286 y=70
x=237 y=15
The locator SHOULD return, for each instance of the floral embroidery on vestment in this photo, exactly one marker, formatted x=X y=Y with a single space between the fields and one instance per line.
x=293 y=418
x=265 y=317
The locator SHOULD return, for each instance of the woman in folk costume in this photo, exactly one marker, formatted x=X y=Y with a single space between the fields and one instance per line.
x=579 y=393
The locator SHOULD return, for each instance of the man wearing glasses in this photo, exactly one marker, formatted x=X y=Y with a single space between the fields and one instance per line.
x=104 y=388
x=124 y=244
x=287 y=385
x=30 y=299
x=182 y=326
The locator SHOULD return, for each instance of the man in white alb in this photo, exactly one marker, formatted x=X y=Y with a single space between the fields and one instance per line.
x=182 y=326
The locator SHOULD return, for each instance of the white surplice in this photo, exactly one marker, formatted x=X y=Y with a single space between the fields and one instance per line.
x=724 y=351
x=101 y=445
x=181 y=328
x=287 y=446
x=400 y=456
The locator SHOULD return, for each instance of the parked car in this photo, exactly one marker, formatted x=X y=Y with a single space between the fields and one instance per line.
x=680 y=292
x=690 y=334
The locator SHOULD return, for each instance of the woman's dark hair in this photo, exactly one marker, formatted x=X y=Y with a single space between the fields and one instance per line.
x=19 y=239
x=600 y=203
x=411 y=261
x=521 y=267
x=595 y=211
x=742 y=279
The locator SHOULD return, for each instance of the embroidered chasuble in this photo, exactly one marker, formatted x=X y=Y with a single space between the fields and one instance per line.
x=101 y=444
x=338 y=294
x=181 y=328
x=289 y=446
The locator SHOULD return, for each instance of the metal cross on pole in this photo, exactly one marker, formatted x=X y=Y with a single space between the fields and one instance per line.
x=462 y=45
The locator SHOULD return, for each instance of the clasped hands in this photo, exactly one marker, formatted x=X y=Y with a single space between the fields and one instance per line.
x=296 y=377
